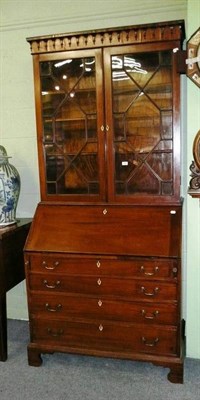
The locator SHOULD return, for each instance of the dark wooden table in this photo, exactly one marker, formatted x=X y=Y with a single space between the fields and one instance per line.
x=12 y=240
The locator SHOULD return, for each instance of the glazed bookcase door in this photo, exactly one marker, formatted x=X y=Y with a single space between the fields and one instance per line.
x=143 y=135
x=70 y=130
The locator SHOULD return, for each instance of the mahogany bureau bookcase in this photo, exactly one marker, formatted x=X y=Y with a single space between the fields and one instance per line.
x=103 y=256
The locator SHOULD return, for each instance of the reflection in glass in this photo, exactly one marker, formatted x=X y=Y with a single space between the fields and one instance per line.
x=142 y=115
x=70 y=125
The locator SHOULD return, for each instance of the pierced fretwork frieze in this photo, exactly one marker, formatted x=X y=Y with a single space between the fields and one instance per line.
x=101 y=38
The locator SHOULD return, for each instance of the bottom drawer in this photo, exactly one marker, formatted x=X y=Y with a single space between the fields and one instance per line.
x=106 y=336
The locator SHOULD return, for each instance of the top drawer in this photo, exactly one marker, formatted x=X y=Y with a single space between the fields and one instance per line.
x=120 y=267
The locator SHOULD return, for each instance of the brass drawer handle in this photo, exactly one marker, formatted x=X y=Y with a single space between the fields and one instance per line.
x=149 y=316
x=51 y=309
x=53 y=286
x=57 y=333
x=105 y=211
x=100 y=303
x=156 y=270
x=152 y=343
x=45 y=265
x=153 y=293
x=99 y=282
x=56 y=263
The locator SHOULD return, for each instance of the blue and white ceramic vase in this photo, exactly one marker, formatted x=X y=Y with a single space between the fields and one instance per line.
x=9 y=190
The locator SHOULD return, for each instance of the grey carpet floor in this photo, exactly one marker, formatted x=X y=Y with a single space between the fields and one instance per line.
x=74 y=377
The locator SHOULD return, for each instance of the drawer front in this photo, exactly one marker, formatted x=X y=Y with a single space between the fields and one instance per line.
x=104 y=286
x=126 y=267
x=76 y=307
x=105 y=336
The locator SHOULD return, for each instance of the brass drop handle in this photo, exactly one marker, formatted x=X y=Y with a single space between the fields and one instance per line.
x=46 y=266
x=51 y=309
x=99 y=282
x=150 y=343
x=100 y=303
x=142 y=269
x=149 y=316
x=153 y=293
x=53 y=286
x=57 y=333
x=56 y=263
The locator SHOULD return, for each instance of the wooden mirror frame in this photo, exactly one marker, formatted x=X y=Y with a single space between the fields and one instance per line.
x=194 y=186
x=196 y=149
x=193 y=60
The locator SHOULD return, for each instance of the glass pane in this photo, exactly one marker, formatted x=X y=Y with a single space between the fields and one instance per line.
x=70 y=126
x=142 y=116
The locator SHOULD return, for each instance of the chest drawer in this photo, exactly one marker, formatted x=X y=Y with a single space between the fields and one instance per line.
x=104 y=286
x=107 y=336
x=82 y=308
x=152 y=268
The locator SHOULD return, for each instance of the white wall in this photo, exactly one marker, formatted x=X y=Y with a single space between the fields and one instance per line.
x=21 y=19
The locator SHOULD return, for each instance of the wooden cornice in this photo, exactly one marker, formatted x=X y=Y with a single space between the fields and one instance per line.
x=168 y=31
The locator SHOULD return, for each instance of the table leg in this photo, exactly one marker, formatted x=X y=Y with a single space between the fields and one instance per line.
x=3 y=329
